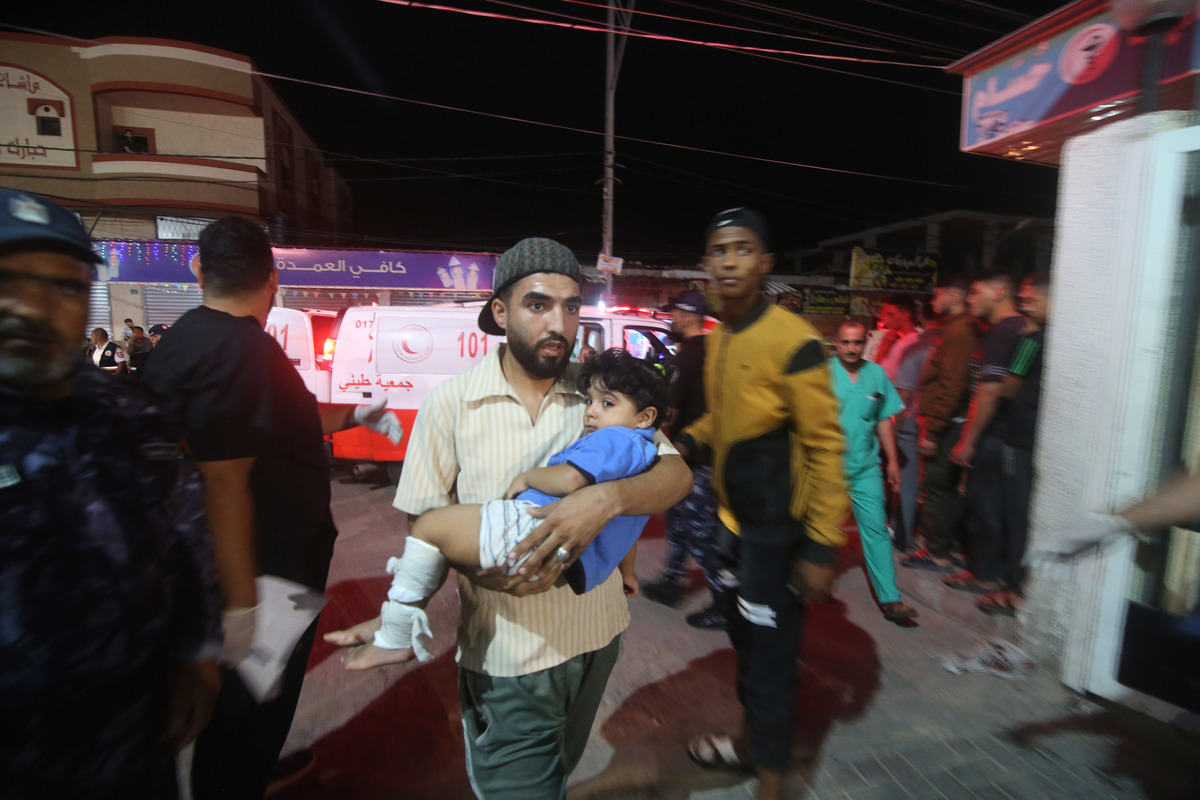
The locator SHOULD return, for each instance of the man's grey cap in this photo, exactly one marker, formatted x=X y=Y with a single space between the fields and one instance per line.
x=692 y=302
x=526 y=257
x=30 y=222
x=741 y=218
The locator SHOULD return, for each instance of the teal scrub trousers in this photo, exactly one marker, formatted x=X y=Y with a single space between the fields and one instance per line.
x=870 y=514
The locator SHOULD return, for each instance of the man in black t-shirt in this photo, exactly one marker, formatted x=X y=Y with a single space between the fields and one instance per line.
x=691 y=523
x=981 y=443
x=256 y=433
x=1022 y=387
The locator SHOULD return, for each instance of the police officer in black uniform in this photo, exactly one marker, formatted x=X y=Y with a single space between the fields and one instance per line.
x=692 y=522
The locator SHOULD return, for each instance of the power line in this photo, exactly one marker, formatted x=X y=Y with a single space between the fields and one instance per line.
x=846 y=26
x=588 y=132
x=759 y=53
x=773 y=23
x=584 y=131
x=989 y=8
x=591 y=28
x=254 y=181
x=557 y=126
x=442 y=106
x=778 y=199
x=739 y=28
x=518 y=157
x=939 y=18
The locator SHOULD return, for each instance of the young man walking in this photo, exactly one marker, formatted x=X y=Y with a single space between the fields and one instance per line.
x=771 y=427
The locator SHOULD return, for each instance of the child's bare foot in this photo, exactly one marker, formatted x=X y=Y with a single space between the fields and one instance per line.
x=362 y=633
x=369 y=656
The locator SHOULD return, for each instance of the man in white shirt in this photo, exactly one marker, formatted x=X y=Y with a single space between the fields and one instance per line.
x=534 y=657
x=107 y=355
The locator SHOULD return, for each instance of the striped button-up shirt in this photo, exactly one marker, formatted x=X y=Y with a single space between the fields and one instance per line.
x=471 y=438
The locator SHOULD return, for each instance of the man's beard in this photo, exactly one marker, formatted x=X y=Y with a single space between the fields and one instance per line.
x=537 y=366
x=33 y=368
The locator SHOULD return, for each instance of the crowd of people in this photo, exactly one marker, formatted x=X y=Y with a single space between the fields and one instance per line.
x=130 y=601
x=975 y=405
x=126 y=356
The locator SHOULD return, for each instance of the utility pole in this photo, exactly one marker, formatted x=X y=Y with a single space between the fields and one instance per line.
x=620 y=12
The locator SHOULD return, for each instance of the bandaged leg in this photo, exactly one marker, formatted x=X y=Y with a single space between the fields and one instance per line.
x=418 y=574
x=403 y=627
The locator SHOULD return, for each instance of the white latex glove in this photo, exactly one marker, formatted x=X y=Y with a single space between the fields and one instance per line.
x=1094 y=530
x=238 y=625
x=377 y=418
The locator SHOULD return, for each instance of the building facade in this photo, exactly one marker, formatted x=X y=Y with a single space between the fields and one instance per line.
x=152 y=138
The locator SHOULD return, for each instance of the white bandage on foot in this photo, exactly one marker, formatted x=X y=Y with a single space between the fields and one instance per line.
x=403 y=627
x=418 y=573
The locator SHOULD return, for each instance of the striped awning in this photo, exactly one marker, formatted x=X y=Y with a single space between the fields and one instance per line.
x=775 y=288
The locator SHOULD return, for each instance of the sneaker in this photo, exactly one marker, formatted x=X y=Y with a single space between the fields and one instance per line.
x=710 y=619
x=663 y=590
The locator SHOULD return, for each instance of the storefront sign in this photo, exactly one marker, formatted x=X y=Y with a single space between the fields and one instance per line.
x=1085 y=67
x=824 y=301
x=37 y=122
x=167 y=262
x=892 y=271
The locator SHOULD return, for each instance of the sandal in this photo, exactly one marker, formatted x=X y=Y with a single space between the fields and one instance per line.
x=966 y=582
x=996 y=603
x=920 y=559
x=716 y=752
x=895 y=612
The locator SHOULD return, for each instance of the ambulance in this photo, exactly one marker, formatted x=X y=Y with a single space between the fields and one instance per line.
x=306 y=336
x=402 y=352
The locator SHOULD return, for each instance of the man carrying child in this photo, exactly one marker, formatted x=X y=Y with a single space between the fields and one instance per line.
x=625 y=399
x=534 y=658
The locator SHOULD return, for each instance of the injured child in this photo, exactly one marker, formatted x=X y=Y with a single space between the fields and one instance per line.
x=625 y=401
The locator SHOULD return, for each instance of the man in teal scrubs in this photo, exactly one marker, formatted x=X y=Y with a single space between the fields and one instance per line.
x=866 y=402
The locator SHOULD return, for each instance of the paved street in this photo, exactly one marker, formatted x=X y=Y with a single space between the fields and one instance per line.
x=879 y=717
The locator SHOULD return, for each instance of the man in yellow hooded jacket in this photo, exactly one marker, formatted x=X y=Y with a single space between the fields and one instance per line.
x=772 y=429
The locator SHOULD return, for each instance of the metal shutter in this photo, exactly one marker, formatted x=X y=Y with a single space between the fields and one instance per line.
x=99 y=310
x=165 y=305
x=326 y=299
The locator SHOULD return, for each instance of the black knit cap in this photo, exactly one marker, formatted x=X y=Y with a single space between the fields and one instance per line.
x=526 y=257
x=740 y=218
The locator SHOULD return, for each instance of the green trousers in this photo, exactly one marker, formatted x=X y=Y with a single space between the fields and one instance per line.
x=870 y=513
x=525 y=734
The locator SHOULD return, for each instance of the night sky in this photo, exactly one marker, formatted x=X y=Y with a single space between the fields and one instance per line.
x=425 y=177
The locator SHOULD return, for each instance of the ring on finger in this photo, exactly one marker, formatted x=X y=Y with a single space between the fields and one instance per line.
x=561 y=554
